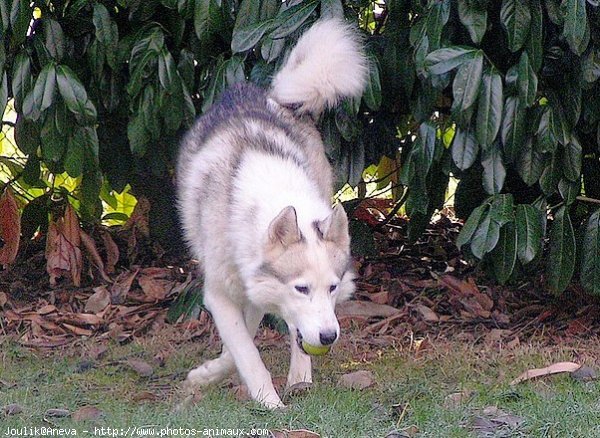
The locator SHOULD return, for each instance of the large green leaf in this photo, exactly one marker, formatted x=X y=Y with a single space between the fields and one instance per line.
x=513 y=127
x=572 y=160
x=425 y=146
x=502 y=208
x=534 y=44
x=291 y=19
x=529 y=232
x=494 y=171
x=576 y=29
x=590 y=67
x=168 y=76
x=3 y=93
x=515 y=17
x=443 y=60
x=372 y=94
x=4 y=17
x=21 y=79
x=464 y=148
x=467 y=81
x=27 y=135
x=74 y=94
x=53 y=143
x=54 y=39
x=471 y=225
x=137 y=135
x=489 y=111
x=561 y=254
x=527 y=81
x=474 y=17
x=207 y=19
x=569 y=190
x=545 y=134
x=504 y=255
x=529 y=163
x=559 y=125
x=332 y=9
x=42 y=95
x=247 y=37
x=437 y=17
x=551 y=175
x=107 y=33
x=590 y=262
x=271 y=48
x=485 y=237
x=75 y=154
x=20 y=16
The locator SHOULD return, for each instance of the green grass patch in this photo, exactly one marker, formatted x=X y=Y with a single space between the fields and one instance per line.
x=413 y=393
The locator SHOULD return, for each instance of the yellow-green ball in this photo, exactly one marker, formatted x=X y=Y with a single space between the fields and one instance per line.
x=315 y=350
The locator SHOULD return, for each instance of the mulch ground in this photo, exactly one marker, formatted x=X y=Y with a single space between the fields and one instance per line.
x=405 y=291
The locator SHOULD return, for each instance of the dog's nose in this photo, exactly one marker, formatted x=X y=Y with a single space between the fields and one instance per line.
x=328 y=338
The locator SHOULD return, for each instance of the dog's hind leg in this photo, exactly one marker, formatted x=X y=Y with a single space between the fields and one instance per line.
x=300 y=363
x=215 y=370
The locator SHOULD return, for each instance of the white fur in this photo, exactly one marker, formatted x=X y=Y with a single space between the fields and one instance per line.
x=326 y=64
x=235 y=201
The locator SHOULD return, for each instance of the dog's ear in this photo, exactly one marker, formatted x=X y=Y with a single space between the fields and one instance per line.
x=335 y=227
x=284 y=229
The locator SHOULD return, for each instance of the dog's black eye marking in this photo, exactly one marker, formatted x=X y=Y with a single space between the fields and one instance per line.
x=332 y=288
x=302 y=289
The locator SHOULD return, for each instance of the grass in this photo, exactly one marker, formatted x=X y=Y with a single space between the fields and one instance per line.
x=412 y=394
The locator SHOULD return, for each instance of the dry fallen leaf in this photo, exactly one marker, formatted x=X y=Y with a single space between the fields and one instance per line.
x=63 y=253
x=365 y=309
x=94 y=255
x=427 y=314
x=10 y=228
x=57 y=413
x=140 y=367
x=585 y=374
x=139 y=217
x=121 y=286
x=112 y=251
x=495 y=420
x=560 y=367
x=98 y=301
x=12 y=409
x=144 y=396
x=97 y=352
x=357 y=380
x=296 y=433
x=87 y=413
x=155 y=288
x=3 y=299
x=296 y=389
x=456 y=399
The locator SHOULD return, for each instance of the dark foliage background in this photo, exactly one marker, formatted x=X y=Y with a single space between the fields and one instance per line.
x=502 y=95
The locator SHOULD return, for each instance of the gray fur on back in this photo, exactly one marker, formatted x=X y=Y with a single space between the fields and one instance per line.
x=205 y=193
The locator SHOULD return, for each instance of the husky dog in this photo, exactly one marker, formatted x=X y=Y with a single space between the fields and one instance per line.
x=255 y=191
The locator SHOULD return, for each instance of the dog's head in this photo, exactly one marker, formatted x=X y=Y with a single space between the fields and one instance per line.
x=305 y=273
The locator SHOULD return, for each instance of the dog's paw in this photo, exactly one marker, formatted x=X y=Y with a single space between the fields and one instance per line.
x=274 y=404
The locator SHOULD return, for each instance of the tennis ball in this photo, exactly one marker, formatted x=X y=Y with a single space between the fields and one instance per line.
x=315 y=350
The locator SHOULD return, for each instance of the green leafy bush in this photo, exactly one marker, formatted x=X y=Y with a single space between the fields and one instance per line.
x=503 y=95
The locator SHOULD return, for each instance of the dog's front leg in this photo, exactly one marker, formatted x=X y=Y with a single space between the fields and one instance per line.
x=300 y=363
x=229 y=319
x=215 y=370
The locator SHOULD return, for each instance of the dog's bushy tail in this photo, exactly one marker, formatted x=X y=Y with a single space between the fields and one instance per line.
x=326 y=65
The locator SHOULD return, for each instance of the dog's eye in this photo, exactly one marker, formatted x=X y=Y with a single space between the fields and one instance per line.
x=302 y=289
x=332 y=288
